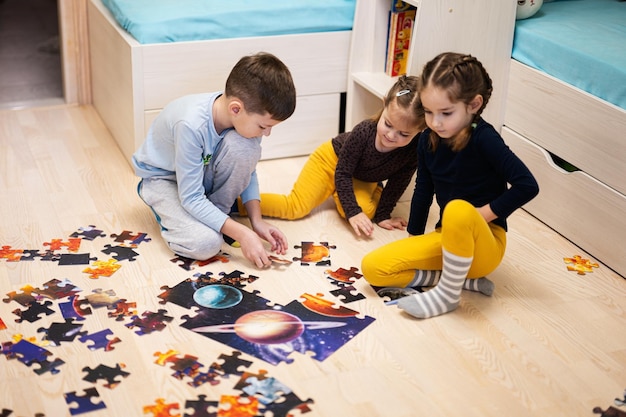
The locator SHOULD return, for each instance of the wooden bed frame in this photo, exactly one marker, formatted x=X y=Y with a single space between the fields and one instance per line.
x=132 y=82
x=547 y=116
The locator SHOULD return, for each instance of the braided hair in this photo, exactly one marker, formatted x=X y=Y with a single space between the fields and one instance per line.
x=463 y=77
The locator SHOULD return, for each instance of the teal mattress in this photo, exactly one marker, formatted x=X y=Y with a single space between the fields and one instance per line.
x=158 y=21
x=581 y=42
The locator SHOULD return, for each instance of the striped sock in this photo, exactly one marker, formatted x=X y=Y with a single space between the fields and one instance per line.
x=429 y=278
x=425 y=278
x=482 y=285
x=446 y=295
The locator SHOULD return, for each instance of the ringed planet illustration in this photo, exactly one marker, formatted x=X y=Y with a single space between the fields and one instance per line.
x=217 y=296
x=268 y=327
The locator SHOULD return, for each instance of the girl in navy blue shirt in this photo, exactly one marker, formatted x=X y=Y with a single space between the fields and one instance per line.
x=478 y=182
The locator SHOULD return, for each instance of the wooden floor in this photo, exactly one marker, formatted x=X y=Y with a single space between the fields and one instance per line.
x=549 y=342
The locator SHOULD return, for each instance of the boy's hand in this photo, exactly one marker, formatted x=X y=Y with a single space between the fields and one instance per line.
x=393 y=223
x=253 y=249
x=361 y=224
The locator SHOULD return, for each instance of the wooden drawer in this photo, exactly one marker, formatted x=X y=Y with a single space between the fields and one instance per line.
x=315 y=121
x=582 y=209
x=583 y=130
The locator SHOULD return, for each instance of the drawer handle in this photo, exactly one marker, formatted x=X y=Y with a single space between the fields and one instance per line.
x=562 y=163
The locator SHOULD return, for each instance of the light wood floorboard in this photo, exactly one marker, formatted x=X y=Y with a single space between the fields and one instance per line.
x=549 y=342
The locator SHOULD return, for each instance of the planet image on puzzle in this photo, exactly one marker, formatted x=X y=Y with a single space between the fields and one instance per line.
x=268 y=327
x=217 y=296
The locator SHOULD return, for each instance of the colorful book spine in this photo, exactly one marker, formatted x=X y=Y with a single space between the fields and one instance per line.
x=401 y=21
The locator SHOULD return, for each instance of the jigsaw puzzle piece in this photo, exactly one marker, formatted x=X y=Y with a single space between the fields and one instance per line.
x=56 y=289
x=74 y=308
x=100 y=298
x=100 y=340
x=48 y=366
x=150 y=322
x=341 y=275
x=84 y=403
x=310 y=252
x=348 y=294
x=72 y=244
x=123 y=309
x=238 y=406
x=122 y=253
x=33 y=311
x=88 y=233
x=107 y=373
x=61 y=332
x=287 y=404
x=189 y=263
x=201 y=407
x=25 y=351
x=10 y=254
x=133 y=239
x=161 y=409
x=236 y=278
x=75 y=259
x=24 y=298
x=102 y=268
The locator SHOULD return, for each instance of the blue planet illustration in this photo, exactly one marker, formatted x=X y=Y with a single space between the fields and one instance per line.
x=217 y=296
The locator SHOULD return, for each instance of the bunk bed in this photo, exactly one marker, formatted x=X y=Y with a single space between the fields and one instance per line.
x=566 y=118
x=145 y=53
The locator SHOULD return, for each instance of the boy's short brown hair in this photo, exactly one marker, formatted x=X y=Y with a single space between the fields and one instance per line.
x=264 y=84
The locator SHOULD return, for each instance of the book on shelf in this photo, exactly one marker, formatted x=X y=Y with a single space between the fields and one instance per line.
x=401 y=21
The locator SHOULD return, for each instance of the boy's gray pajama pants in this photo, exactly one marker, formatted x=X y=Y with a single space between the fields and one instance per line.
x=225 y=177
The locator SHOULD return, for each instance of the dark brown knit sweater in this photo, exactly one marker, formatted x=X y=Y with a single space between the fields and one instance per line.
x=358 y=158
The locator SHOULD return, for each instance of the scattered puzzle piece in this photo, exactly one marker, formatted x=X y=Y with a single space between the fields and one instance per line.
x=123 y=309
x=88 y=233
x=107 y=373
x=72 y=244
x=161 y=409
x=11 y=255
x=61 y=332
x=24 y=298
x=84 y=403
x=580 y=265
x=342 y=275
x=609 y=412
x=238 y=406
x=131 y=238
x=102 y=268
x=348 y=294
x=56 y=289
x=100 y=340
x=34 y=311
x=150 y=322
x=75 y=259
x=201 y=407
x=320 y=254
x=74 y=308
x=122 y=253
x=100 y=298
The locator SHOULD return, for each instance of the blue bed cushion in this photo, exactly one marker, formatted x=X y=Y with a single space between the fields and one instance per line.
x=157 y=21
x=581 y=42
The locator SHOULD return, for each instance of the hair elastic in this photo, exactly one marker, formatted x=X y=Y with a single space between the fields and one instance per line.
x=402 y=92
x=474 y=125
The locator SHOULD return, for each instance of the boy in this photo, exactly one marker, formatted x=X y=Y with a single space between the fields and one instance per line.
x=200 y=155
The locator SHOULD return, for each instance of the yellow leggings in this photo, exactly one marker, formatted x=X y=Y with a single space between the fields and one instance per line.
x=464 y=232
x=314 y=185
